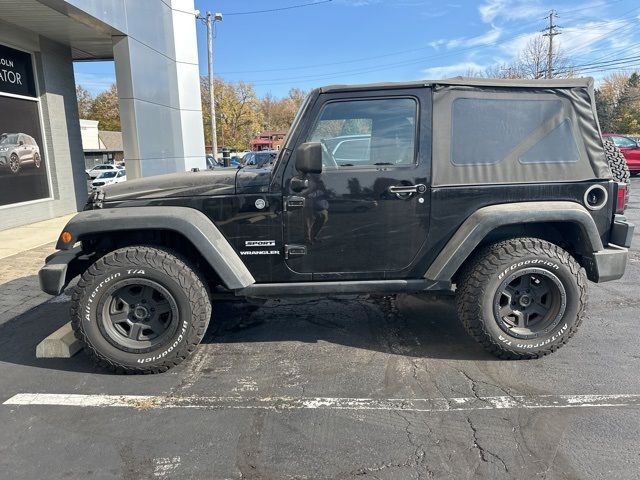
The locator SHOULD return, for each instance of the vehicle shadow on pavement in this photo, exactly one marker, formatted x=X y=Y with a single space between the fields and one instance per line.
x=404 y=325
x=20 y=335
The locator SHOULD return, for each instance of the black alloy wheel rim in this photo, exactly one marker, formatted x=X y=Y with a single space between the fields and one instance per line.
x=14 y=163
x=530 y=303
x=138 y=315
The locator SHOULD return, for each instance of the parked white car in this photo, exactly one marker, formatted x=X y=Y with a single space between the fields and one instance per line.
x=109 y=177
x=95 y=171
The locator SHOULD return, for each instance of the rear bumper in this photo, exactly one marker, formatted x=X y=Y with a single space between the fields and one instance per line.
x=53 y=276
x=610 y=263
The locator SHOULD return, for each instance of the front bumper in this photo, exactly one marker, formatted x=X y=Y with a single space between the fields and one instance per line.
x=58 y=270
x=610 y=263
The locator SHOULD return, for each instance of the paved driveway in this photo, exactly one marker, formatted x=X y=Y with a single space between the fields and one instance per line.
x=351 y=388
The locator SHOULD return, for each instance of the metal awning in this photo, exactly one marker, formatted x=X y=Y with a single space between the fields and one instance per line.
x=88 y=38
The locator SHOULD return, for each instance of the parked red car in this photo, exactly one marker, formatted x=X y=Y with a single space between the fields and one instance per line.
x=629 y=148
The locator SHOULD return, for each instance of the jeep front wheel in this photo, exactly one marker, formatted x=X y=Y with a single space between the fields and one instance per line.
x=140 y=310
x=522 y=298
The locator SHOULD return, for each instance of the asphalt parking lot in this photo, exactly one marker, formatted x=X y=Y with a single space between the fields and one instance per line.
x=378 y=388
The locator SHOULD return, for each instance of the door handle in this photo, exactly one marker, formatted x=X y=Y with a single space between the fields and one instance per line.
x=293 y=202
x=404 y=189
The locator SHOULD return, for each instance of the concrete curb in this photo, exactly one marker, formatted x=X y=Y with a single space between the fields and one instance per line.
x=60 y=344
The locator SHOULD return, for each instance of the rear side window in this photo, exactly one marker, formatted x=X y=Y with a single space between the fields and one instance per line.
x=488 y=131
x=357 y=133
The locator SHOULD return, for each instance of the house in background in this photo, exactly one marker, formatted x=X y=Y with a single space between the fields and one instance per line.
x=100 y=146
x=268 y=141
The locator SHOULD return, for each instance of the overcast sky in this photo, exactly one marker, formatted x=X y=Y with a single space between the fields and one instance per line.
x=356 y=41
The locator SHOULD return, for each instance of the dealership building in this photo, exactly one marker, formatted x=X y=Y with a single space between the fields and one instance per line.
x=153 y=45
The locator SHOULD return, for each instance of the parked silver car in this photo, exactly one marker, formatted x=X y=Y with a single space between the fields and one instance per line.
x=18 y=149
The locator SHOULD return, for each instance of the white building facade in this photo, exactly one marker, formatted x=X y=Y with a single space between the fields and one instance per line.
x=153 y=45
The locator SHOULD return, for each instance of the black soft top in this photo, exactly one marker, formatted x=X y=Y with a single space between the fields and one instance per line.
x=586 y=82
x=491 y=131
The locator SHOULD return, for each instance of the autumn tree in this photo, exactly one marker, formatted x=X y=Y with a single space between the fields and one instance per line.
x=238 y=115
x=85 y=100
x=618 y=103
x=104 y=107
x=278 y=114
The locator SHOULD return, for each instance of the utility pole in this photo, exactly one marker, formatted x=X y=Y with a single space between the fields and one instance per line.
x=551 y=32
x=209 y=19
x=212 y=100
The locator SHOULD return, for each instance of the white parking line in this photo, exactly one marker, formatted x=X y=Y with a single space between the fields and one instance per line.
x=148 y=402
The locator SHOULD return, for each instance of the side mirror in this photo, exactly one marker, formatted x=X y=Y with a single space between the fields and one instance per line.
x=21 y=142
x=309 y=158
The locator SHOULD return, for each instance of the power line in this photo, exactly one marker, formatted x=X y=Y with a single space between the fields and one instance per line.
x=600 y=64
x=311 y=4
x=376 y=57
x=403 y=63
x=364 y=70
x=590 y=7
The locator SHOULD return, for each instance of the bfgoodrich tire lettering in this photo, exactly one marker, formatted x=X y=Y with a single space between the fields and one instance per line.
x=532 y=260
x=187 y=313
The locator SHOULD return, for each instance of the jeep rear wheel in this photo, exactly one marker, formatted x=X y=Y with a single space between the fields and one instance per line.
x=140 y=310
x=36 y=159
x=14 y=163
x=522 y=298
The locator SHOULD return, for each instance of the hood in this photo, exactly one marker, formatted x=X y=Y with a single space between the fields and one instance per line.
x=184 y=184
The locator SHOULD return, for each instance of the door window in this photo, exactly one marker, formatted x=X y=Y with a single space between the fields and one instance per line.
x=367 y=133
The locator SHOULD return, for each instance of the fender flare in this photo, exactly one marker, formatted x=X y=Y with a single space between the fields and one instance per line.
x=482 y=222
x=191 y=223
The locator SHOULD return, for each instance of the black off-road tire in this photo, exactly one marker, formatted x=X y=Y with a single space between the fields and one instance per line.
x=481 y=280
x=37 y=160
x=192 y=308
x=617 y=163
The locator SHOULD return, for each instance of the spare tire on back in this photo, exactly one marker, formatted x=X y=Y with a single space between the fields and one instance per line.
x=617 y=163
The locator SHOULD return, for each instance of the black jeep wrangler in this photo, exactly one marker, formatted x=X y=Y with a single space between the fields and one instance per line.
x=501 y=192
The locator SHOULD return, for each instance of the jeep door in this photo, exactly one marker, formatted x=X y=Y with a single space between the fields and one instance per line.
x=368 y=211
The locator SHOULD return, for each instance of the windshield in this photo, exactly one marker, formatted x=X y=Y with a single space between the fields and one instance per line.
x=11 y=139
x=294 y=125
x=107 y=174
x=622 y=142
x=263 y=159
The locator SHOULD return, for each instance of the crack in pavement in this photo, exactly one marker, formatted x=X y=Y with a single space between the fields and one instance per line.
x=483 y=452
x=474 y=387
x=419 y=454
